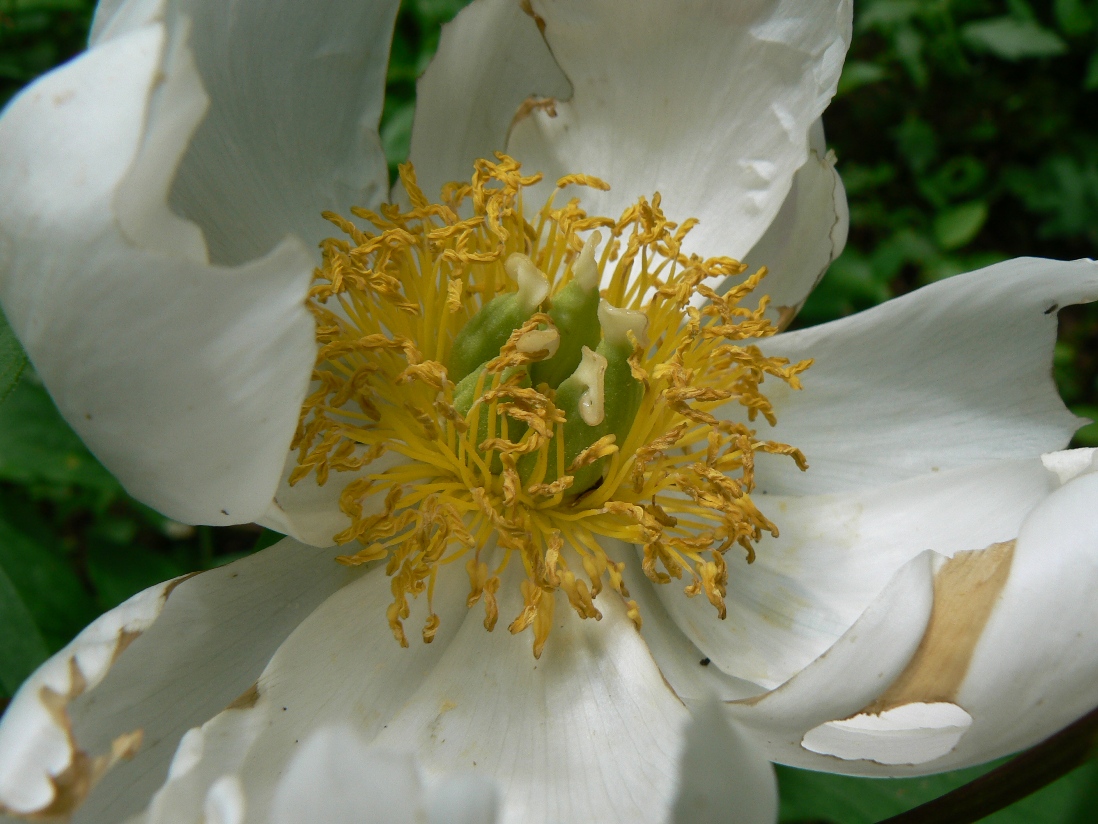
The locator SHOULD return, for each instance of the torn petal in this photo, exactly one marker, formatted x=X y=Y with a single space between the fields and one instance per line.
x=1070 y=463
x=909 y=734
x=41 y=765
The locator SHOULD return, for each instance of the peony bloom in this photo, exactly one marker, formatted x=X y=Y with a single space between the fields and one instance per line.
x=919 y=598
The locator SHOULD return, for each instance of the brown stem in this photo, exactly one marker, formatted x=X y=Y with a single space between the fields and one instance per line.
x=1021 y=776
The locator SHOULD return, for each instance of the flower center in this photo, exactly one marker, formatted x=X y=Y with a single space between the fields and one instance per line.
x=476 y=385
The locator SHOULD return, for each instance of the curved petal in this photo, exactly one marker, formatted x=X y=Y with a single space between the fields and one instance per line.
x=849 y=676
x=1026 y=664
x=709 y=104
x=1035 y=667
x=186 y=380
x=955 y=374
x=336 y=776
x=807 y=234
x=723 y=777
x=167 y=659
x=586 y=732
x=295 y=98
x=491 y=59
x=836 y=553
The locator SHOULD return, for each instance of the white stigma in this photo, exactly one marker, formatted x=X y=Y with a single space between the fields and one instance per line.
x=586 y=271
x=539 y=341
x=618 y=323
x=591 y=372
x=533 y=286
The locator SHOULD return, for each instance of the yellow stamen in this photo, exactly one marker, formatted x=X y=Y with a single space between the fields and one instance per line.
x=389 y=302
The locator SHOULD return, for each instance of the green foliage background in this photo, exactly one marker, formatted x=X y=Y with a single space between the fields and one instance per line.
x=966 y=132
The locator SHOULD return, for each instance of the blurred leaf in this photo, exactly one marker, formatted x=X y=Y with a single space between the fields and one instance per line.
x=821 y=797
x=1088 y=435
x=22 y=648
x=1072 y=17
x=917 y=143
x=1090 y=80
x=13 y=360
x=1063 y=190
x=909 y=48
x=858 y=73
x=118 y=572
x=268 y=537
x=434 y=12
x=1012 y=39
x=886 y=14
x=37 y=446
x=396 y=133
x=955 y=178
x=35 y=566
x=1021 y=10
x=957 y=227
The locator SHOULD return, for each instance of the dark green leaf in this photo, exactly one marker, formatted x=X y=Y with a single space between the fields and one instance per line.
x=37 y=446
x=396 y=133
x=13 y=360
x=1072 y=17
x=1088 y=434
x=956 y=227
x=1090 y=80
x=22 y=647
x=119 y=572
x=834 y=799
x=857 y=73
x=35 y=565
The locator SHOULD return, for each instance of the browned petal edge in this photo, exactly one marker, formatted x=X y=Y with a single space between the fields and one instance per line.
x=966 y=589
x=526 y=7
x=173 y=584
x=73 y=784
x=246 y=700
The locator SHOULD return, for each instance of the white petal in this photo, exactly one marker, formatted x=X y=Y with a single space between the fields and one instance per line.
x=185 y=380
x=335 y=776
x=490 y=59
x=909 y=734
x=723 y=776
x=834 y=556
x=807 y=234
x=225 y=802
x=339 y=666
x=589 y=731
x=469 y=799
x=709 y=103
x=849 y=676
x=119 y=17
x=295 y=98
x=954 y=374
x=160 y=665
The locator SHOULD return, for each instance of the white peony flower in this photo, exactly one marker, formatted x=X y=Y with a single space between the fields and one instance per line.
x=927 y=604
